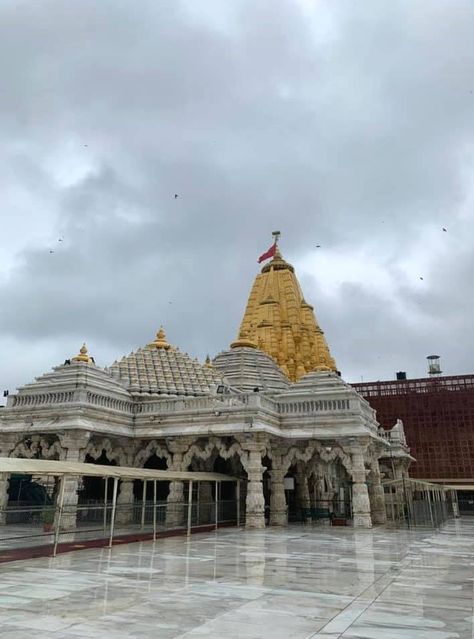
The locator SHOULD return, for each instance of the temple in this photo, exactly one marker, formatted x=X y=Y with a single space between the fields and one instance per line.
x=272 y=410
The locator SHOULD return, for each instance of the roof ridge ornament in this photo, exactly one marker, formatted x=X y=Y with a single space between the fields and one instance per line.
x=160 y=340
x=277 y=262
x=243 y=341
x=83 y=356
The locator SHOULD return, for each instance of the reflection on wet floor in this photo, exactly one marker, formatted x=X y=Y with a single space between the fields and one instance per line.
x=289 y=583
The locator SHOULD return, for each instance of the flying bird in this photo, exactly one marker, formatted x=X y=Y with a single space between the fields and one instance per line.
x=318 y=245
x=51 y=251
x=60 y=239
x=421 y=278
x=445 y=230
x=176 y=196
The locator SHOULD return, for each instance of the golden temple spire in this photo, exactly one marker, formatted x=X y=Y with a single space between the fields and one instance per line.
x=160 y=341
x=83 y=356
x=208 y=362
x=280 y=322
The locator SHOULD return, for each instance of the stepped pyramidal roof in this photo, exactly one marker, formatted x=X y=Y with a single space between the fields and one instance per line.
x=163 y=369
x=280 y=322
x=248 y=369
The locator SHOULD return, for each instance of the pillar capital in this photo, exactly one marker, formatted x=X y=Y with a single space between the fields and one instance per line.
x=178 y=448
x=179 y=445
x=253 y=447
x=8 y=443
x=74 y=441
x=355 y=445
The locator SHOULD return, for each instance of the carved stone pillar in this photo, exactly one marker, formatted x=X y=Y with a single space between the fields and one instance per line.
x=4 y=483
x=377 y=496
x=278 y=507
x=205 y=502
x=125 y=501
x=302 y=491
x=175 y=510
x=255 y=501
x=75 y=443
x=400 y=469
x=312 y=490
x=6 y=447
x=360 y=494
x=175 y=507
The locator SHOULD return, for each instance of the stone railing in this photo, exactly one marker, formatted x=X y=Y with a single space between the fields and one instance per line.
x=66 y=397
x=111 y=403
x=314 y=406
x=182 y=404
x=268 y=404
x=41 y=399
x=393 y=438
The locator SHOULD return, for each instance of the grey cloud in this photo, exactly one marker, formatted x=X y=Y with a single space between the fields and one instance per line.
x=357 y=135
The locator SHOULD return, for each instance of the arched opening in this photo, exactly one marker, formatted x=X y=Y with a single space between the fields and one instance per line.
x=162 y=487
x=225 y=467
x=330 y=489
x=227 y=490
x=29 y=498
x=93 y=488
x=290 y=493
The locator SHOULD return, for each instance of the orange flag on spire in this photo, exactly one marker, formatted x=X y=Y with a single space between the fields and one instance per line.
x=268 y=254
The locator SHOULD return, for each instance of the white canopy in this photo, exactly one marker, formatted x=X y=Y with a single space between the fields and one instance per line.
x=59 y=468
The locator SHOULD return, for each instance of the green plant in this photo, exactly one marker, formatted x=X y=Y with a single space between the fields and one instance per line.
x=47 y=516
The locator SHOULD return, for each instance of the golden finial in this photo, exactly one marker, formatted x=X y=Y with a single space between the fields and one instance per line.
x=277 y=262
x=208 y=362
x=243 y=340
x=160 y=340
x=83 y=356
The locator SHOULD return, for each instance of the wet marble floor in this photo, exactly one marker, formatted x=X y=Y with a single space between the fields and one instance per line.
x=294 y=583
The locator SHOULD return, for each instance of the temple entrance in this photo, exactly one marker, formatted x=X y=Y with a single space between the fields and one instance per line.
x=227 y=490
x=225 y=467
x=93 y=488
x=162 y=487
x=294 y=510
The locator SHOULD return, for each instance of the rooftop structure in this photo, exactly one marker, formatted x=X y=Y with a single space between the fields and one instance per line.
x=279 y=321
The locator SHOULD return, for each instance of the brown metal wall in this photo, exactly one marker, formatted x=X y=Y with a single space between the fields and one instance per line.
x=438 y=417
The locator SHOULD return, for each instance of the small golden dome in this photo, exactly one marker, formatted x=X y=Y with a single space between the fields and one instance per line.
x=83 y=356
x=243 y=341
x=160 y=340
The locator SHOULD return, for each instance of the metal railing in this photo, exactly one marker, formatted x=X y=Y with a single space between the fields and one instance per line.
x=23 y=527
x=412 y=503
x=321 y=512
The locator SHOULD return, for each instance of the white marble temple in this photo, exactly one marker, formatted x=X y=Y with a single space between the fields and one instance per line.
x=291 y=583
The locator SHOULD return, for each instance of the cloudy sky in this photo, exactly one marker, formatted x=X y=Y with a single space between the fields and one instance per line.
x=340 y=123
